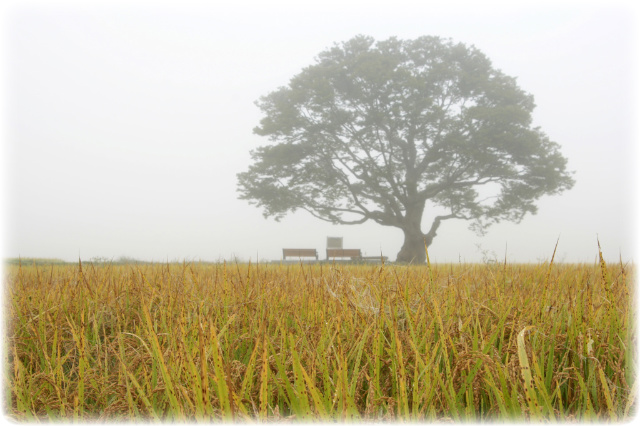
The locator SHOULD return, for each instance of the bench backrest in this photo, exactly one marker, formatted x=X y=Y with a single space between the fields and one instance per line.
x=343 y=253
x=299 y=253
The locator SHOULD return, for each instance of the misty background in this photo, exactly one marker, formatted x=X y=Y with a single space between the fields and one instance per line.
x=125 y=124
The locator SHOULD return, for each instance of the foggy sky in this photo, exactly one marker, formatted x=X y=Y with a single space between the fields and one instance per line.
x=124 y=126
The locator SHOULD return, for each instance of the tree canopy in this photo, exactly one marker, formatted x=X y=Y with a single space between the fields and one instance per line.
x=383 y=131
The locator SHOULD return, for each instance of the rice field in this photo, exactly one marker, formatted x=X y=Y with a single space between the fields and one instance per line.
x=242 y=342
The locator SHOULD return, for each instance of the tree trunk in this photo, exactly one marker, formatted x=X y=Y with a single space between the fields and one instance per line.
x=412 y=250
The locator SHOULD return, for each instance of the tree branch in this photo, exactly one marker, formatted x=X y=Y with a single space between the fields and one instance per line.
x=429 y=236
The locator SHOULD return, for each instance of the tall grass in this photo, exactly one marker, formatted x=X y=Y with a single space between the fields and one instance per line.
x=190 y=342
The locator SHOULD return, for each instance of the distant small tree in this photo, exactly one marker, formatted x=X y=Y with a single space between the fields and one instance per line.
x=128 y=260
x=386 y=131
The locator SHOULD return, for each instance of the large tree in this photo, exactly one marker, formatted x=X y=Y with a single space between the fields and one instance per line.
x=386 y=131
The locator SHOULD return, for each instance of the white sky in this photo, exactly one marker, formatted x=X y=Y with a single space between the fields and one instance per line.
x=124 y=126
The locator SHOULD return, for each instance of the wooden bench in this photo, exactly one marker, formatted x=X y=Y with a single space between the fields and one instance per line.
x=299 y=253
x=354 y=254
x=375 y=258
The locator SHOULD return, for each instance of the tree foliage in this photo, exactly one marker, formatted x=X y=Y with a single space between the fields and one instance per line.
x=379 y=130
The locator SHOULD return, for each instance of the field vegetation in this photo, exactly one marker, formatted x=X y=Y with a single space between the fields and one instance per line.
x=33 y=261
x=210 y=342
